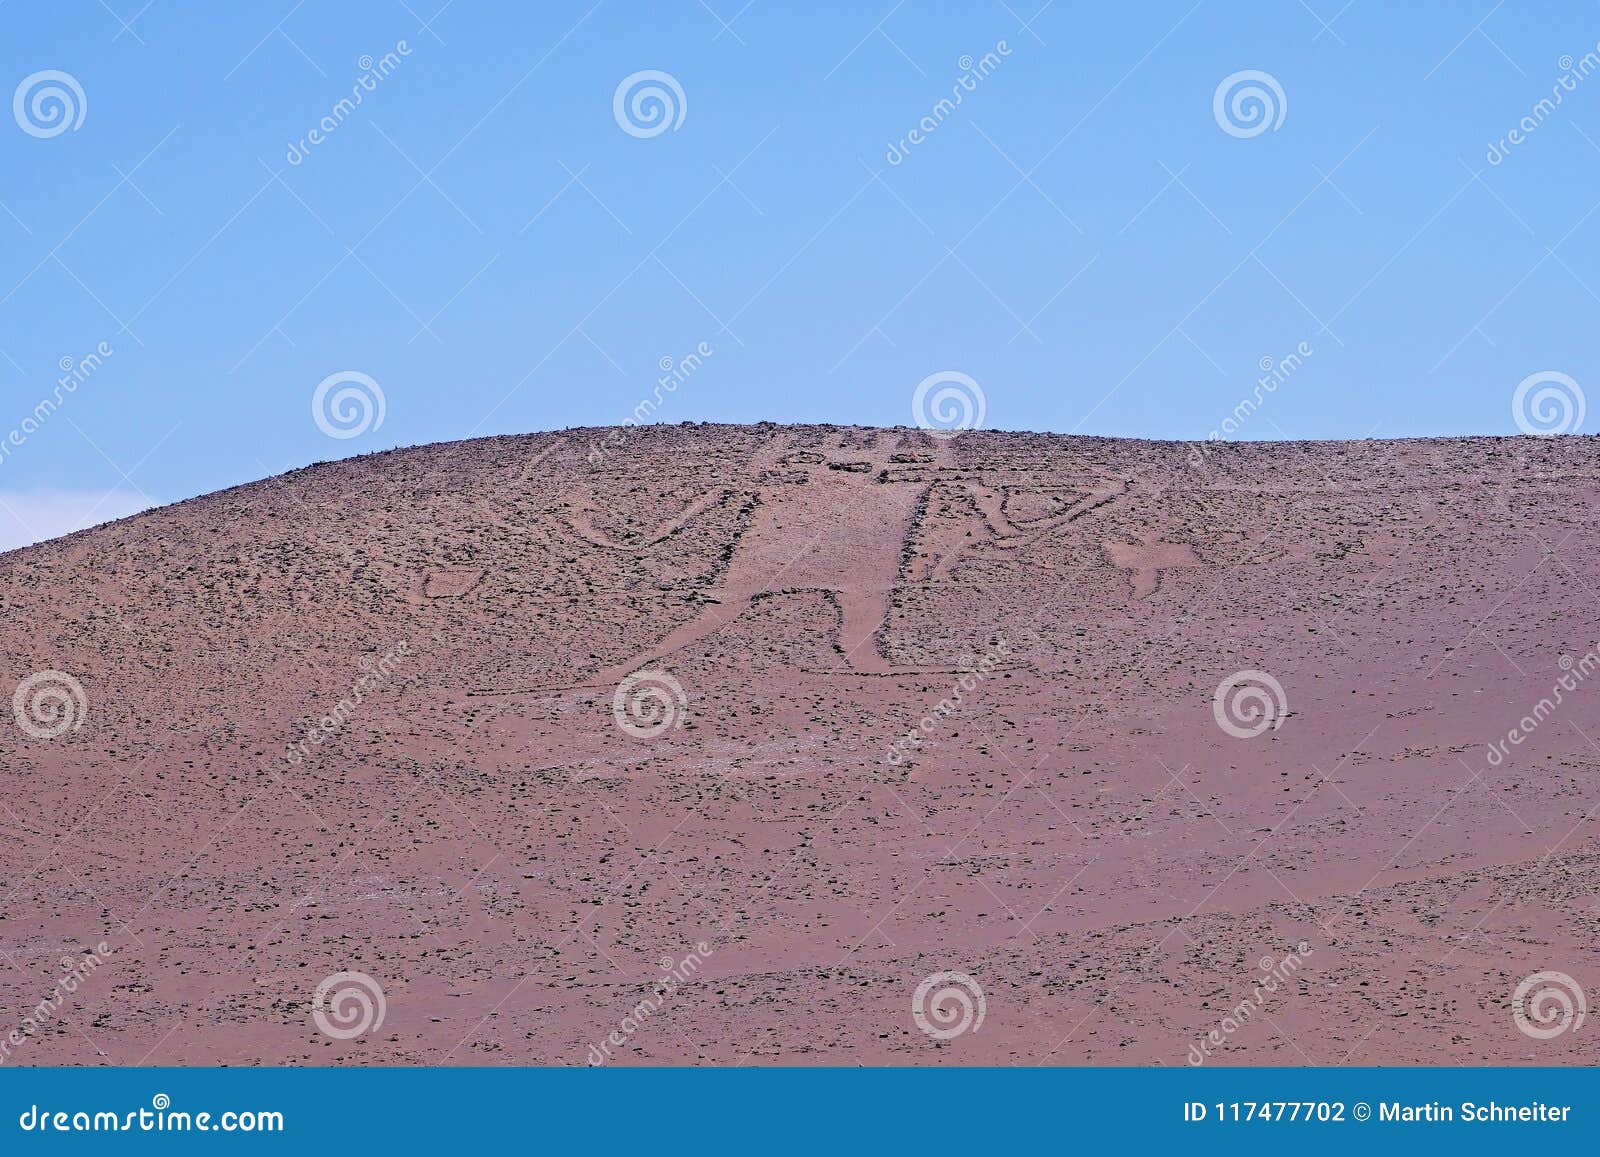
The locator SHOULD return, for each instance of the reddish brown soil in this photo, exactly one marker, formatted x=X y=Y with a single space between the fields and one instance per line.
x=1077 y=833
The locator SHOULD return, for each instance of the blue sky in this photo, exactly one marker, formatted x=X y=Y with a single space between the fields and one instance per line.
x=484 y=242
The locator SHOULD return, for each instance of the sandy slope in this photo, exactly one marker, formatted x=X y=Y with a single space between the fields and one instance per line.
x=1075 y=830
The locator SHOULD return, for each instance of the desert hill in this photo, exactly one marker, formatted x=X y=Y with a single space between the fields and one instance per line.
x=516 y=726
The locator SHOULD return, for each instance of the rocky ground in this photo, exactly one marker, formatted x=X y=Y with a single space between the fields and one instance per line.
x=711 y=744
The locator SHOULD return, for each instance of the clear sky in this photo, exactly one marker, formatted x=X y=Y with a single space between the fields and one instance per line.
x=1088 y=235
